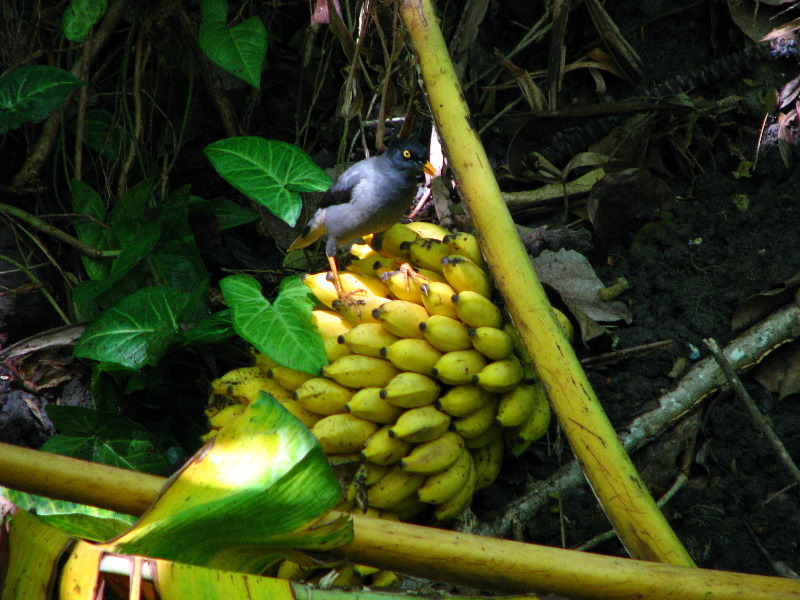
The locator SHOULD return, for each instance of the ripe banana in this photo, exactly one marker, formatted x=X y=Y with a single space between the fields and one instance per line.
x=384 y=578
x=463 y=400
x=353 y=282
x=405 y=510
x=428 y=230
x=446 y=334
x=321 y=287
x=493 y=343
x=566 y=325
x=394 y=241
x=434 y=456
x=227 y=415
x=330 y=326
x=451 y=509
x=437 y=299
x=517 y=404
x=289 y=379
x=428 y=253
x=410 y=390
x=369 y=473
x=485 y=438
x=367 y=403
x=403 y=285
x=441 y=487
x=374 y=267
x=402 y=318
x=362 y=251
x=244 y=384
x=343 y=434
x=478 y=422
x=394 y=487
x=412 y=355
x=359 y=308
x=535 y=426
x=464 y=275
x=323 y=396
x=488 y=461
x=423 y=424
x=264 y=362
x=431 y=275
x=459 y=367
x=367 y=339
x=477 y=311
x=467 y=245
x=382 y=449
x=301 y=413
x=357 y=371
x=501 y=375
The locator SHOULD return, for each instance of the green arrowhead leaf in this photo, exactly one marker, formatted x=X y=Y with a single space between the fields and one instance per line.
x=282 y=330
x=80 y=17
x=268 y=171
x=30 y=94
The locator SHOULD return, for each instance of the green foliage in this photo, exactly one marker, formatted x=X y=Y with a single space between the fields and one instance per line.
x=281 y=330
x=268 y=171
x=80 y=17
x=240 y=49
x=30 y=94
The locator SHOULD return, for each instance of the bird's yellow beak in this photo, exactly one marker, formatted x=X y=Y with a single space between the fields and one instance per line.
x=428 y=168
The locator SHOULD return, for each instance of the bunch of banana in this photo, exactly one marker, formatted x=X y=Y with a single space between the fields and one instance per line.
x=427 y=385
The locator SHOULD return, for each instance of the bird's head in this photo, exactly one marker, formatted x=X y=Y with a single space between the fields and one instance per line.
x=409 y=154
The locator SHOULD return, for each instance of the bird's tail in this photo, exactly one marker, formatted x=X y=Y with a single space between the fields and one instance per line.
x=311 y=232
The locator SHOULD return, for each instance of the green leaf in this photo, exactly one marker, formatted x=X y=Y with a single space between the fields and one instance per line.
x=102 y=135
x=80 y=17
x=104 y=437
x=246 y=499
x=132 y=205
x=240 y=50
x=137 y=239
x=86 y=201
x=229 y=214
x=30 y=94
x=268 y=171
x=282 y=330
x=213 y=328
x=136 y=331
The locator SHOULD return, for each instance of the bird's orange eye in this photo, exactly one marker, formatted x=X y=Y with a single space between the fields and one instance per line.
x=406 y=153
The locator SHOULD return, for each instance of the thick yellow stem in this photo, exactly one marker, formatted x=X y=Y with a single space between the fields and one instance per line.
x=633 y=513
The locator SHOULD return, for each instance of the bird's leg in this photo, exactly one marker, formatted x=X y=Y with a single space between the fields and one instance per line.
x=346 y=297
x=411 y=275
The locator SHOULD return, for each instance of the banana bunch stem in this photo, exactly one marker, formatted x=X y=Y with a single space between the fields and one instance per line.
x=633 y=513
x=442 y=555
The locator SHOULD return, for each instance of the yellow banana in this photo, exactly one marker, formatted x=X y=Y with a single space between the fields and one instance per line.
x=566 y=325
x=441 y=487
x=437 y=298
x=403 y=286
x=357 y=371
x=517 y=404
x=428 y=230
x=289 y=379
x=459 y=366
x=412 y=355
x=305 y=416
x=374 y=266
x=262 y=361
x=423 y=424
x=382 y=449
x=369 y=473
x=479 y=441
x=493 y=343
x=330 y=326
x=321 y=287
x=478 y=422
x=244 y=384
x=384 y=578
x=488 y=461
x=227 y=415
x=293 y=571
x=535 y=426
x=467 y=245
x=446 y=334
x=477 y=311
x=367 y=339
x=343 y=434
x=463 y=400
x=447 y=511
x=464 y=275
x=323 y=396
x=402 y=318
x=394 y=487
x=362 y=251
x=501 y=375
x=353 y=282
x=367 y=403
x=431 y=275
x=434 y=456
x=405 y=510
x=428 y=253
x=359 y=308
x=394 y=241
x=411 y=390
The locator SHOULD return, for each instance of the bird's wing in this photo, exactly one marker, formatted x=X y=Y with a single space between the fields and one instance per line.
x=341 y=191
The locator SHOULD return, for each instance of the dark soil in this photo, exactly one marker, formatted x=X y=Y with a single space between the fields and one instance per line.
x=737 y=511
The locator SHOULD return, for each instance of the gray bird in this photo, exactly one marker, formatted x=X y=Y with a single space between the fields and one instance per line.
x=369 y=197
